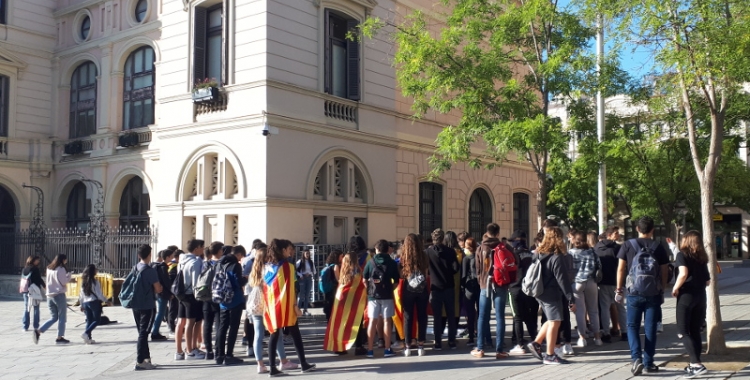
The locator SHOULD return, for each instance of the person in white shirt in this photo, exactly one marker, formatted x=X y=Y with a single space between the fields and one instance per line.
x=305 y=272
x=57 y=283
x=91 y=299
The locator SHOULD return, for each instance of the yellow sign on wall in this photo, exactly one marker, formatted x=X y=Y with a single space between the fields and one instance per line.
x=718 y=217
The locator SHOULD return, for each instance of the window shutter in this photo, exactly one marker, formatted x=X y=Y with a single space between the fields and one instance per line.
x=224 y=38
x=327 y=53
x=352 y=63
x=199 y=44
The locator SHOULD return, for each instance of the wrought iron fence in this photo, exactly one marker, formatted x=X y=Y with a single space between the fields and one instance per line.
x=117 y=258
x=318 y=253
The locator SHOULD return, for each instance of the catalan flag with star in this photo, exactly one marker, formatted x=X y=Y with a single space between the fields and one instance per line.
x=346 y=316
x=280 y=296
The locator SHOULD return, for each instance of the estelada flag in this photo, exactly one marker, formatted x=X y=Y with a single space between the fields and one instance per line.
x=398 y=315
x=280 y=296
x=346 y=316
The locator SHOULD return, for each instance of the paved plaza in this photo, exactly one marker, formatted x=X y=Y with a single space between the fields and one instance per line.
x=114 y=354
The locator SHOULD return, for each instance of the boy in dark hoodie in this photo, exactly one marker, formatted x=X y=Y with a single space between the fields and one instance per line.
x=523 y=307
x=230 y=315
x=607 y=250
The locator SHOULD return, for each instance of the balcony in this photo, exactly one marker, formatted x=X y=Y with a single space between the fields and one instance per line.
x=341 y=112
x=215 y=102
x=133 y=138
x=78 y=147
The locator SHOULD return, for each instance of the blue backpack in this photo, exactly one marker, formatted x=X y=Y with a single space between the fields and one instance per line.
x=644 y=278
x=327 y=283
x=134 y=294
x=222 y=289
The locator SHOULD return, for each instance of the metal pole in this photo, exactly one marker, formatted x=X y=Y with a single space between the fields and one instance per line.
x=602 y=193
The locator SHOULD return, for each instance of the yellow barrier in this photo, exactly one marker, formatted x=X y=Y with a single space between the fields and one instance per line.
x=105 y=279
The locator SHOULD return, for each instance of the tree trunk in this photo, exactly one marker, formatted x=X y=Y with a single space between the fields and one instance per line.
x=541 y=200
x=716 y=342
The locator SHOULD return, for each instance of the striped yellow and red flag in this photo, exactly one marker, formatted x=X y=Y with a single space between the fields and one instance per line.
x=280 y=296
x=346 y=316
x=398 y=315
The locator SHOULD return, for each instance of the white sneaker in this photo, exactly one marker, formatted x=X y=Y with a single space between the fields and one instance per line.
x=659 y=327
x=568 y=349
x=86 y=338
x=598 y=342
x=179 y=356
x=196 y=355
x=517 y=350
x=582 y=342
x=559 y=352
x=420 y=351
x=407 y=352
x=397 y=346
x=144 y=366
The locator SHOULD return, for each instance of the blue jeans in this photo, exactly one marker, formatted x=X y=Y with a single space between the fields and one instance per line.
x=26 y=320
x=161 y=311
x=258 y=341
x=637 y=307
x=305 y=290
x=93 y=312
x=58 y=310
x=499 y=299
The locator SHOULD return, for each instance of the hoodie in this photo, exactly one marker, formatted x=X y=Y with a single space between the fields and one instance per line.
x=607 y=252
x=443 y=267
x=523 y=257
x=191 y=267
x=232 y=266
x=483 y=260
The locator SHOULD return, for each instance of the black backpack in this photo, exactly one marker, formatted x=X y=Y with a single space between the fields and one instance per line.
x=178 y=286
x=376 y=285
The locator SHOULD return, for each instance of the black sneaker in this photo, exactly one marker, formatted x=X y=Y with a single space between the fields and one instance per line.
x=231 y=360
x=360 y=351
x=554 y=360
x=535 y=349
x=693 y=372
x=210 y=356
x=607 y=338
x=158 y=337
x=35 y=336
x=470 y=342
x=274 y=372
x=438 y=347
x=452 y=345
x=62 y=341
x=623 y=337
x=651 y=369
x=637 y=367
x=307 y=367
x=219 y=359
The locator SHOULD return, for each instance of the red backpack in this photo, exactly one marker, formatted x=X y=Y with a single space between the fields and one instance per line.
x=504 y=266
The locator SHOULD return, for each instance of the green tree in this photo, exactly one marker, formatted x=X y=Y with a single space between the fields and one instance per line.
x=499 y=63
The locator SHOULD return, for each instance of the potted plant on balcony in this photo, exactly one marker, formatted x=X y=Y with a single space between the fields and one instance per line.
x=128 y=139
x=73 y=147
x=205 y=91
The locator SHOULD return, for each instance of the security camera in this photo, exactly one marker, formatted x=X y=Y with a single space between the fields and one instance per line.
x=266 y=130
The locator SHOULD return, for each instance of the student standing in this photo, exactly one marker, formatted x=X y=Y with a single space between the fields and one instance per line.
x=231 y=312
x=646 y=260
x=91 y=298
x=146 y=287
x=415 y=294
x=190 y=310
x=380 y=274
x=525 y=309
x=585 y=290
x=306 y=272
x=31 y=276
x=470 y=287
x=162 y=300
x=443 y=267
x=607 y=250
x=333 y=259
x=211 y=309
x=557 y=286
x=348 y=310
x=57 y=283
x=690 y=290
x=174 y=303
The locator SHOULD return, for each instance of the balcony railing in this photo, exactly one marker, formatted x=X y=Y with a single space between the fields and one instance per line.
x=341 y=111
x=216 y=105
x=134 y=138
x=76 y=147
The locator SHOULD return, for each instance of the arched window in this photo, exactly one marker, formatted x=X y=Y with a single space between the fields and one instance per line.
x=7 y=212
x=140 y=10
x=134 y=204
x=521 y=212
x=85 y=28
x=339 y=179
x=79 y=207
x=83 y=101
x=138 y=96
x=480 y=213
x=430 y=207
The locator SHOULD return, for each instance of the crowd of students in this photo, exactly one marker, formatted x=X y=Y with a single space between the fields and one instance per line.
x=205 y=293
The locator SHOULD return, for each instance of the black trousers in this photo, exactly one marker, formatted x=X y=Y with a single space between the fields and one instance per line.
x=525 y=311
x=445 y=298
x=296 y=338
x=410 y=300
x=226 y=335
x=328 y=304
x=691 y=313
x=471 y=305
x=174 y=305
x=210 y=323
x=142 y=318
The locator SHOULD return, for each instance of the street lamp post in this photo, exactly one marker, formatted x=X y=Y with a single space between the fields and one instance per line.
x=602 y=193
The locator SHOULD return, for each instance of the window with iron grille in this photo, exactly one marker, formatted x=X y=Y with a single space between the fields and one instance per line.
x=341 y=56
x=83 y=101
x=480 y=213
x=430 y=207
x=521 y=212
x=138 y=96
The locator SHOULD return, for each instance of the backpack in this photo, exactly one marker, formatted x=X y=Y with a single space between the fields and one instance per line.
x=178 y=286
x=416 y=283
x=255 y=304
x=533 y=282
x=134 y=293
x=327 y=282
x=222 y=289
x=376 y=286
x=203 y=289
x=504 y=266
x=644 y=277
x=23 y=287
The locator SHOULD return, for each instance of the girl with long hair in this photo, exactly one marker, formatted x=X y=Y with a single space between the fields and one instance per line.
x=280 y=297
x=585 y=289
x=690 y=290
x=91 y=299
x=256 y=309
x=556 y=285
x=470 y=286
x=414 y=263
x=31 y=276
x=306 y=271
x=57 y=283
x=348 y=310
